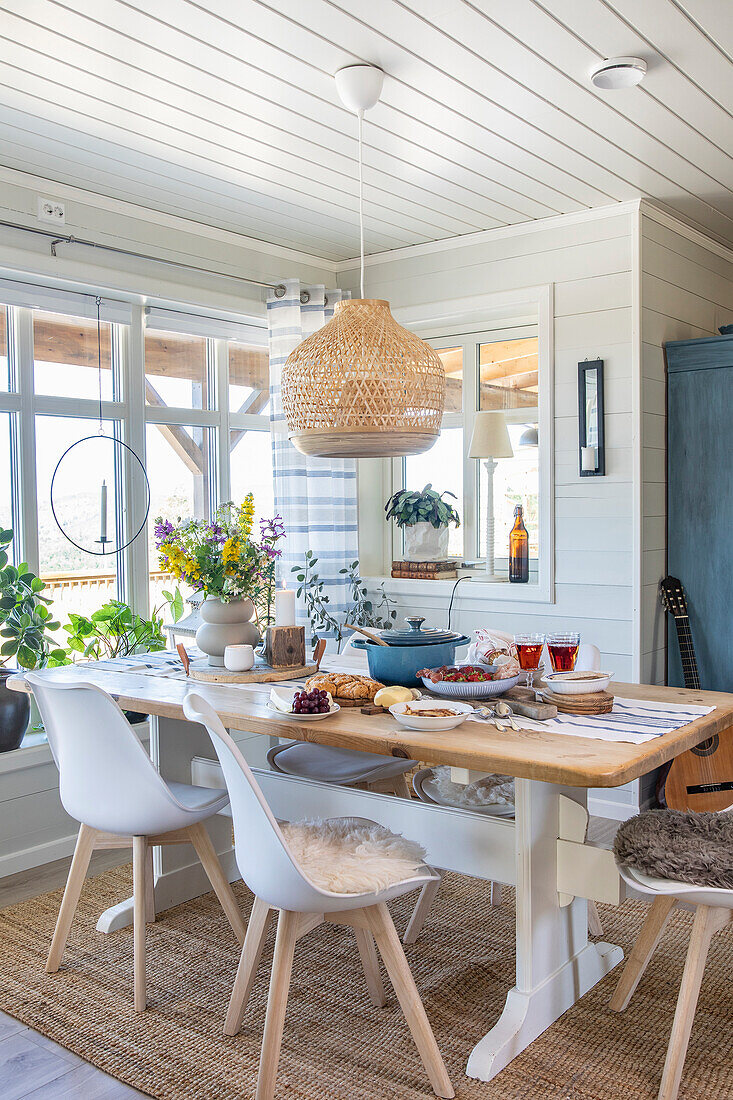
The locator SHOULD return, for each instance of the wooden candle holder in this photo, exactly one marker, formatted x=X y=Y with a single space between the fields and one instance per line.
x=285 y=646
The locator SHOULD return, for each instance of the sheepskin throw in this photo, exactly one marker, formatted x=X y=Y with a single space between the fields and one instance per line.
x=685 y=847
x=346 y=855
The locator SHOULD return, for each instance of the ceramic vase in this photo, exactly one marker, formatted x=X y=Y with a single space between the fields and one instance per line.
x=225 y=624
x=423 y=542
x=14 y=713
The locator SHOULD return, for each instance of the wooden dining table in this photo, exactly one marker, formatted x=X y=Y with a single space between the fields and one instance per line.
x=542 y=851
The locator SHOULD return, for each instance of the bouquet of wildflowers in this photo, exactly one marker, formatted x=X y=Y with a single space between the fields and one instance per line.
x=220 y=558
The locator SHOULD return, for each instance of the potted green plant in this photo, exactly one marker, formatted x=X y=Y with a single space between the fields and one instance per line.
x=425 y=518
x=25 y=625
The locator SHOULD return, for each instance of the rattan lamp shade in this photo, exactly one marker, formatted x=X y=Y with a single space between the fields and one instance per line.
x=363 y=386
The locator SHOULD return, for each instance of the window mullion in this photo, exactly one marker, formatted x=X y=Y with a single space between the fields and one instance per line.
x=133 y=377
x=22 y=351
x=223 y=449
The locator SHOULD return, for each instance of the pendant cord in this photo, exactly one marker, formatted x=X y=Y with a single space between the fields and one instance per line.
x=99 y=362
x=361 y=203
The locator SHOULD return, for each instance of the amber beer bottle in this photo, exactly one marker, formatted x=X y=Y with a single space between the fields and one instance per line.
x=518 y=550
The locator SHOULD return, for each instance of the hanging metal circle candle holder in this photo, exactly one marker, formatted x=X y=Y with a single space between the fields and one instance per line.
x=103 y=454
x=362 y=385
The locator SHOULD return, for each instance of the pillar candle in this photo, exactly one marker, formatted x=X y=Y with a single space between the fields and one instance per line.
x=103 y=514
x=285 y=606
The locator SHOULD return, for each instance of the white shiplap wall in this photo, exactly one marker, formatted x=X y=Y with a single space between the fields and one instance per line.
x=589 y=261
x=686 y=292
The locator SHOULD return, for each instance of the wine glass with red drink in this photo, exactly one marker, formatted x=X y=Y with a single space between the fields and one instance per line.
x=529 y=654
x=563 y=650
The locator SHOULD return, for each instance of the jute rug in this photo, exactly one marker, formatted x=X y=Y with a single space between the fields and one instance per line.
x=336 y=1044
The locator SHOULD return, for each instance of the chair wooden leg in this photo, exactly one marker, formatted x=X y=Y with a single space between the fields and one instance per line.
x=139 y=860
x=390 y=949
x=594 y=921
x=282 y=966
x=259 y=923
x=205 y=851
x=708 y=920
x=423 y=906
x=150 y=916
x=370 y=966
x=642 y=951
x=401 y=787
x=74 y=883
x=495 y=894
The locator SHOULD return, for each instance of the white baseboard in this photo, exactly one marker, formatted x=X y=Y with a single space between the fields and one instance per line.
x=26 y=858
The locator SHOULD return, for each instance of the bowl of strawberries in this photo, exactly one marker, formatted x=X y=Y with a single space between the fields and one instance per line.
x=470 y=681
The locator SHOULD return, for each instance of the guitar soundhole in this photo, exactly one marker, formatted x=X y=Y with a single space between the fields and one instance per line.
x=706 y=748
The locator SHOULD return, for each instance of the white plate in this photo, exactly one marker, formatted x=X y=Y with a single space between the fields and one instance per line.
x=484 y=689
x=577 y=687
x=335 y=708
x=414 y=722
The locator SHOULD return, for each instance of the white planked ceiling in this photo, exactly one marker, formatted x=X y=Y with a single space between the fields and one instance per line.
x=225 y=111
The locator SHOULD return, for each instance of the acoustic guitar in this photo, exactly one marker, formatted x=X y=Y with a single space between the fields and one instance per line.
x=702 y=778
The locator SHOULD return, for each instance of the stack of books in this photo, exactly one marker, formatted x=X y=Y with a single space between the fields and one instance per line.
x=426 y=570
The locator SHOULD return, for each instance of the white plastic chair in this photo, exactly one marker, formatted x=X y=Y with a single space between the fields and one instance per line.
x=279 y=883
x=713 y=910
x=343 y=767
x=108 y=784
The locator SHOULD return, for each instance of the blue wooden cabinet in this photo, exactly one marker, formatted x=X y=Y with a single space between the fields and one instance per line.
x=700 y=501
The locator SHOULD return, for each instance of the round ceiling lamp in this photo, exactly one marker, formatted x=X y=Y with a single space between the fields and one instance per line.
x=614 y=73
x=100 y=456
x=362 y=386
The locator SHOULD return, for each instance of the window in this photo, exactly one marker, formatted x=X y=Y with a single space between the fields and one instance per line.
x=177 y=370
x=491 y=371
x=249 y=379
x=76 y=581
x=66 y=357
x=178 y=460
x=4 y=357
x=251 y=471
x=7 y=510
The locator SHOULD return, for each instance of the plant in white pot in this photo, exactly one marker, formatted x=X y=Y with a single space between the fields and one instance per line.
x=425 y=518
x=223 y=561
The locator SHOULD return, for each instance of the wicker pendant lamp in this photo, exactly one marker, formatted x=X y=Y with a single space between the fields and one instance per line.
x=362 y=386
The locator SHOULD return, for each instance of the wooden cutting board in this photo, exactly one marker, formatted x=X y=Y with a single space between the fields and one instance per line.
x=260 y=674
x=600 y=702
x=523 y=701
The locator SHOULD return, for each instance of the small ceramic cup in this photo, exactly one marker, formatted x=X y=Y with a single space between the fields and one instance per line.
x=239 y=658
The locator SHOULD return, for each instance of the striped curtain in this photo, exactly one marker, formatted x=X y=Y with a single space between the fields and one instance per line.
x=316 y=497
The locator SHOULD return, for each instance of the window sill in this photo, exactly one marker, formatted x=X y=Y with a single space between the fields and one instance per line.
x=473 y=586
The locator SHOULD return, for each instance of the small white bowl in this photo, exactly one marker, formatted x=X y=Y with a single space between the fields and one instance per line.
x=461 y=712
x=335 y=708
x=576 y=686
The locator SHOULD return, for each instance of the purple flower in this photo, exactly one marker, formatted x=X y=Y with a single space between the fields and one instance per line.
x=163 y=530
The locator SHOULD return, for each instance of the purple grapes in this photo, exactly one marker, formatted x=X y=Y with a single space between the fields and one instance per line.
x=311 y=702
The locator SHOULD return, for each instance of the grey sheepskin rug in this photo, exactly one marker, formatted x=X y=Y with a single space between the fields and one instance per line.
x=686 y=847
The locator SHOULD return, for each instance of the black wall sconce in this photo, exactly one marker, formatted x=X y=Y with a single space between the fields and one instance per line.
x=592 y=459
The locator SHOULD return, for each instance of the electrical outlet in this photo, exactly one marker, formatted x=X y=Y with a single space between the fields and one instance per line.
x=51 y=210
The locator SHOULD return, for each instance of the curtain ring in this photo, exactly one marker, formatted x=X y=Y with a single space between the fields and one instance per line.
x=281 y=290
x=304 y=297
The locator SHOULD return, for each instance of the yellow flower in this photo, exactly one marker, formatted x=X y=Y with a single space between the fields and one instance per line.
x=247 y=514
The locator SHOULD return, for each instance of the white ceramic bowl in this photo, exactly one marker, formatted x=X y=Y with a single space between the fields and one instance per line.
x=573 y=686
x=335 y=708
x=414 y=722
x=485 y=689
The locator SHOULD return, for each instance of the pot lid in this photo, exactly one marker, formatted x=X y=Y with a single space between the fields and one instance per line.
x=417 y=634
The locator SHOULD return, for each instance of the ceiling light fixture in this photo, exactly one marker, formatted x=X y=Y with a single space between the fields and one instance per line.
x=362 y=386
x=618 y=72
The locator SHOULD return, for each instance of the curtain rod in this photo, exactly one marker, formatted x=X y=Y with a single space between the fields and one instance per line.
x=279 y=288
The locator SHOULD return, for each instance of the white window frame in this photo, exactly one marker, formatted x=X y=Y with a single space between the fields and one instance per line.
x=129 y=324
x=483 y=319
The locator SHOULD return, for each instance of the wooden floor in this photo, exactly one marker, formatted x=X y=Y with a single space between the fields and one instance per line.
x=34 y=1068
